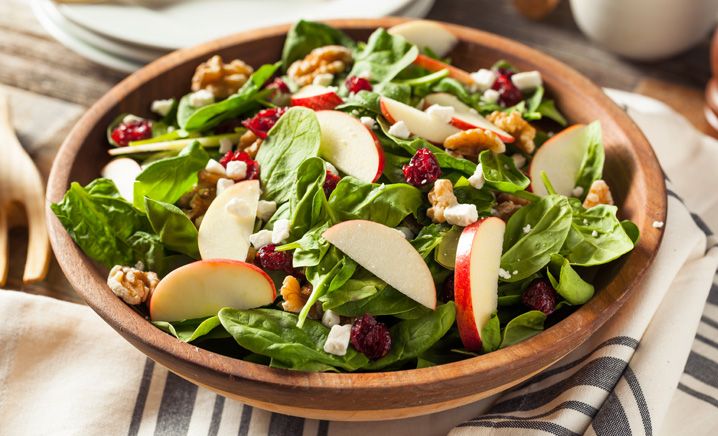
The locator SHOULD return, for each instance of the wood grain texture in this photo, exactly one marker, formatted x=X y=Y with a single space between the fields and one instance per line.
x=631 y=169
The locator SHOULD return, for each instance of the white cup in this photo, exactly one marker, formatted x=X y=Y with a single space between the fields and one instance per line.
x=645 y=29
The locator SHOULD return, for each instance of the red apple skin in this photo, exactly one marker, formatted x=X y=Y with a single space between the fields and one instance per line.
x=434 y=65
x=465 y=321
x=380 y=152
x=385 y=112
x=327 y=101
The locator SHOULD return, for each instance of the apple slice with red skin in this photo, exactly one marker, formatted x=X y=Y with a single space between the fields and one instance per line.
x=476 y=278
x=316 y=97
x=350 y=146
x=434 y=65
x=202 y=288
x=560 y=157
x=386 y=253
x=418 y=122
x=123 y=172
x=465 y=118
x=426 y=34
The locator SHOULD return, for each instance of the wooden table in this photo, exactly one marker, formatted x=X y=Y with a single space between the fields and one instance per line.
x=50 y=86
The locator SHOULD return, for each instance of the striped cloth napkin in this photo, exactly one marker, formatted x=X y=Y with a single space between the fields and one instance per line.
x=653 y=369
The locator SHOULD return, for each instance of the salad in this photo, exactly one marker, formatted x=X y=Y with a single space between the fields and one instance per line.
x=355 y=206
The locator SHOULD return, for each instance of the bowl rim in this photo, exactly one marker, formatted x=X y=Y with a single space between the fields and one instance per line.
x=564 y=336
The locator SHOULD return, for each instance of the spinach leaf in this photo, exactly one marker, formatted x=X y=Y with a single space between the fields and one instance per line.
x=193 y=329
x=412 y=337
x=429 y=238
x=549 y=219
x=500 y=172
x=491 y=335
x=365 y=102
x=274 y=333
x=569 y=284
x=147 y=248
x=203 y=118
x=631 y=230
x=385 y=204
x=330 y=274
x=310 y=249
x=547 y=109
x=467 y=194
x=175 y=230
x=308 y=200
x=305 y=36
x=385 y=301
x=523 y=327
x=596 y=237
x=384 y=56
x=396 y=91
x=353 y=290
x=591 y=168
x=167 y=179
x=295 y=137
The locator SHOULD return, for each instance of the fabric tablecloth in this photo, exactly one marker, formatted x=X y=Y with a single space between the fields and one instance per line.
x=652 y=369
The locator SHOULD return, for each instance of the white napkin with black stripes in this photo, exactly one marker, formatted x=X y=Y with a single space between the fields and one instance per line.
x=64 y=371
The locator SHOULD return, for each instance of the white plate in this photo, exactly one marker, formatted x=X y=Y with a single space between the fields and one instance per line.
x=190 y=22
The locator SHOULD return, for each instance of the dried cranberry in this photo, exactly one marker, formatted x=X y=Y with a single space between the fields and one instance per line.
x=263 y=122
x=269 y=259
x=370 y=337
x=447 y=290
x=355 y=84
x=423 y=168
x=509 y=94
x=279 y=85
x=135 y=130
x=252 y=165
x=330 y=183
x=540 y=295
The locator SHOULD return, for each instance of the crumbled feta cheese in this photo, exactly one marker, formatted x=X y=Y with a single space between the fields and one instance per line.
x=477 y=179
x=225 y=145
x=405 y=232
x=223 y=184
x=366 y=74
x=504 y=274
x=261 y=238
x=484 y=78
x=519 y=160
x=441 y=113
x=338 y=340
x=658 y=224
x=577 y=191
x=330 y=318
x=238 y=208
x=527 y=80
x=324 y=79
x=399 y=130
x=162 y=107
x=201 y=98
x=368 y=121
x=491 y=95
x=131 y=119
x=594 y=233
x=215 y=167
x=526 y=229
x=331 y=168
x=265 y=209
x=281 y=231
x=237 y=169
x=461 y=214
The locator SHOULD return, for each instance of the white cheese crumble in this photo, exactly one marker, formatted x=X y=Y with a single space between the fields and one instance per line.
x=461 y=214
x=324 y=79
x=265 y=209
x=519 y=160
x=399 y=130
x=331 y=168
x=368 y=121
x=261 y=238
x=215 y=167
x=162 y=107
x=131 y=119
x=441 y=113
x=504 y=274
x=225 y=145
x=237 y=169
x=280 y=231
x=477 y=179
x=405 y=232
x=577 y=191
x=527 y=80
x=238 y=208
x=491 y=95
x=338 y=340
x=526 y=229
x=484 y=78
x=201 y=98
x=658 y=224
x=223 y=184
x=594 y=233
x=330 y=318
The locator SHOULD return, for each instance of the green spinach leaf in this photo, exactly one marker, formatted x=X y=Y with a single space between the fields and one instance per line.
x=567 y=282
x=491 y=335
x=384 y=57
x=596 y=237
x=307 y=204
x=523 y=327
x=385 y=204
x=305 y=36
x=591 y=168
x=500 y=172
x=175 y=230
x=193 y=329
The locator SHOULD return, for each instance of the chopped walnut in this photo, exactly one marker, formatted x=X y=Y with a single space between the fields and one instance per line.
x=133 y=285
x=502 y=197
x=219 y=78
x=196 y=202
x=599 y=193
x=330 y=59
x=505 y=209
x=515 y=125
x=249 y=143
x=292 y=294
x=441 y=197
x=473 y=141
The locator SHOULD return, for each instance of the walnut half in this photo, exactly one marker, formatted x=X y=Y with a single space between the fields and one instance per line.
x=515 y=125
x=330 y=59
x=473 y=141
x=599 y=193
x=219 y=78
x=134 y=286
x=441 y=197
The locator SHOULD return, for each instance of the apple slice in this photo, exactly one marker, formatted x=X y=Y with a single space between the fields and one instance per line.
x=476 y=278
x=426 y=34
x=465 y=117
x=434 y=65
x=225 y=235
x=316 y=97
x=202 y=288
x=385 y=253
x=560 y=157
x=418 y=122
x=122 y=172
x=350 y=146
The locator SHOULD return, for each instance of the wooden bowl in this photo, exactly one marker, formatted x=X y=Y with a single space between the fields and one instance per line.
x=631 y=170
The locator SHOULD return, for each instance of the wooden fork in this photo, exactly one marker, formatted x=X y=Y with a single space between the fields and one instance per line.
x=21 y=184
